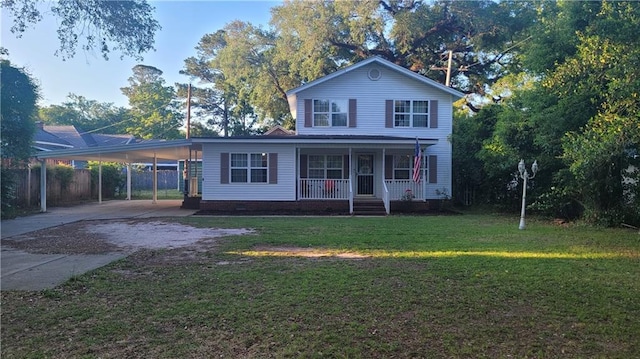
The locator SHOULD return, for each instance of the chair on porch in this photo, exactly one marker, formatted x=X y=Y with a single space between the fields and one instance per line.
x=329 y=188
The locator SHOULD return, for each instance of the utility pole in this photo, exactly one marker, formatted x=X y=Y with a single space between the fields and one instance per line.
x=447 y=69
x=189 y=111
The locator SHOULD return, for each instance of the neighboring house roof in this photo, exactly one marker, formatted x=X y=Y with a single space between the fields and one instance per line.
x=48 y=138
x=278 y=130
x=382 y=62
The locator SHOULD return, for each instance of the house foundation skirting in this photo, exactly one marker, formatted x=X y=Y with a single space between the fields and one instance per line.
x=304 y=207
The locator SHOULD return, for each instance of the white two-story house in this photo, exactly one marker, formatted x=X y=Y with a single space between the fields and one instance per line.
x=358 y=131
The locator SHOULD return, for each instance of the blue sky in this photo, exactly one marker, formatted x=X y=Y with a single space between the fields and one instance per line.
x=88 y=74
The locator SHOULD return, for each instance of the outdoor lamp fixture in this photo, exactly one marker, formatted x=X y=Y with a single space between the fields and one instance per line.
x=524 y=174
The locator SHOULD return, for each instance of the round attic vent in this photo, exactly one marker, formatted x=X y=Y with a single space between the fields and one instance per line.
x=374 y=74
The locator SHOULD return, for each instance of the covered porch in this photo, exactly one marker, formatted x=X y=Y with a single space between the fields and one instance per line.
x=382 y=172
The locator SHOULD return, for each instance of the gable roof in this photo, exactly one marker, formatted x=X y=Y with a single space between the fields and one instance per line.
x=278 y=130
x=382 y=62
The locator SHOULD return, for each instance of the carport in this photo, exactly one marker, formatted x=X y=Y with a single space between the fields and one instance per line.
x=150 y=151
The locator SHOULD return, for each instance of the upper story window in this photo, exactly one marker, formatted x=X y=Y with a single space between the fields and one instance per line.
x=330 y=113
x=407 y=113
x=249 y=167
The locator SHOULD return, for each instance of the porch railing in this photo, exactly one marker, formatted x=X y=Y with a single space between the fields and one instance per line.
x=323 y=188
x=404 y=190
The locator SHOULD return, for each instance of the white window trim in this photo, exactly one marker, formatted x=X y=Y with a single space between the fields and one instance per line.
x=395 y=168
x=411 y=113
x=248 y=168
x=325 y=167
x=330 y=113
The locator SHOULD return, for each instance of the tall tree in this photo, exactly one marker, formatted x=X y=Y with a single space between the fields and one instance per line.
x=19 y=96
x=580 y=118
x=105 y=26
x=217 y=99
x=309 y=39
x=154 y=110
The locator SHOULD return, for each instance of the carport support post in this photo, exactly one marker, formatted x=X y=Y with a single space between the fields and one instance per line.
x=155 y=179
x=129 y=181
x=43 y=185
x=100 y=181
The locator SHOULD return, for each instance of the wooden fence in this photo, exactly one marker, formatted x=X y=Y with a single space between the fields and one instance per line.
x=27 y=192
x=79 y=188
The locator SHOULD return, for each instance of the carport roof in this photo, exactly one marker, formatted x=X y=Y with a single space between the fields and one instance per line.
x=130 y=153
x=179 y=149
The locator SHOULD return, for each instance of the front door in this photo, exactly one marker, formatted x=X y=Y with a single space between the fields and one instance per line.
x=364 y=170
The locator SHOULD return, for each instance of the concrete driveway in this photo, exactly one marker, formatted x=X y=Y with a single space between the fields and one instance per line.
x=27 y=271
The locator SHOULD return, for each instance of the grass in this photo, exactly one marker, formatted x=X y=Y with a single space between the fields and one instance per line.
x=162 y=194
x=468 y=286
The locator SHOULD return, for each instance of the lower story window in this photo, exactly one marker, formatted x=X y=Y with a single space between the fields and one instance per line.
x=402 y=167
x=249 y=167
x=325 y=166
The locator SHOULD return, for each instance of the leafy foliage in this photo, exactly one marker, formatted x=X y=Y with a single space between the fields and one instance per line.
x=580 y=118
x=307 y=40
x=19 y=95
x=154 y=111
x=90 y=115
x=113 y=179
x=106 y=26
x=18 y=98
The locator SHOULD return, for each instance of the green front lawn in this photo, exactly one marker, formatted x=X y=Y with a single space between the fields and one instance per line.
x=408 y=287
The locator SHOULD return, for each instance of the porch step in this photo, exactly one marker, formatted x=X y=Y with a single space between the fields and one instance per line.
x=191 y=203
x=368 y=207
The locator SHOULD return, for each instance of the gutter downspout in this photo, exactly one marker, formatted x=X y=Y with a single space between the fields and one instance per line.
x=128 y=181
x=100 y=180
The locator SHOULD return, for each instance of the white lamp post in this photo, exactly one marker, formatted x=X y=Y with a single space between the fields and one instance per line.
x=524 y=174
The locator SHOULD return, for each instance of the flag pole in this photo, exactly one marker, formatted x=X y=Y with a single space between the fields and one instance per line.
x=424 y=179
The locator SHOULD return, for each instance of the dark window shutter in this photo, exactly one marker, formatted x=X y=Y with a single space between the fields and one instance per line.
x=224 y=168
x=433 y=169
x=388 y=167
x=345 y=166
x=353 y=112
x=433 y=113
x=388 y=114
x=303 y=166
x=308 y=113
x=273 y=168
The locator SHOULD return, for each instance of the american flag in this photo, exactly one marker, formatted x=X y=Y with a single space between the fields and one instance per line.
x=417 y=161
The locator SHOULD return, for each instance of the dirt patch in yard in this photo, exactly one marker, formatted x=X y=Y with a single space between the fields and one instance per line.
x=99 y=237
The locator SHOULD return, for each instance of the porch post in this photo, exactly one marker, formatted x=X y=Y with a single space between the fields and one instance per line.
x=155 y=179
x=43 y=185
x=100 y=180
x=351 y=170
x=297 y=167
x=129 y=181
x=384 y=162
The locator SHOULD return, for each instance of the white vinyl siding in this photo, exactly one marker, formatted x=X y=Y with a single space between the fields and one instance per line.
x=370 y=101
x=214 y=188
